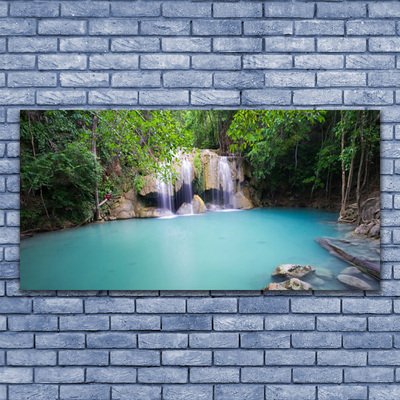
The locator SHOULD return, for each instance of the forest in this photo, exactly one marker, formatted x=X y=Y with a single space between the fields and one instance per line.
x=72 y=160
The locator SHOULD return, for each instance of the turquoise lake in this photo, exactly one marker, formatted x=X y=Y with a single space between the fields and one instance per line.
x=235 y=250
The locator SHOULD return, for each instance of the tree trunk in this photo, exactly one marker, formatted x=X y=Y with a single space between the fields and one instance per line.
x=358 y=193
x=96 y=193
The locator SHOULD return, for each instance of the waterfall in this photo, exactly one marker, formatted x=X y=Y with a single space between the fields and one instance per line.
x=212 y=168
x=225 y=182
x=187 y=184
x=165 y=193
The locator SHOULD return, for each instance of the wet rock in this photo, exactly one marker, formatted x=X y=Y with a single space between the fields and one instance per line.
x=375 y=230
x=350 y=271
x=150 y=186
x=315 y=281
x=291 y=284
x=124 y=210
x=324 y=273
x=370 y=209
x=292 y=270
x=240 y=201
x=362 y=229
x=185 y=209
x=354 y=282
x=149 y=212
x=198 y=205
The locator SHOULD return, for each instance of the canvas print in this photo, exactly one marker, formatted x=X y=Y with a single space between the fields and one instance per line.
x=200 y=200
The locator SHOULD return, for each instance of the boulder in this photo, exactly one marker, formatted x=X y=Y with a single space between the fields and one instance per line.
x=124 y=210
x=185 y=209
x=324 y=273
x=350 y=271
x=354 y=282
x=291 y=284
x=149 y=212
x=362 y=229
x=198 y=205
x=375 y=230
x=239 y=201
x=150 y=186
x=292 y=270
x=370 y=209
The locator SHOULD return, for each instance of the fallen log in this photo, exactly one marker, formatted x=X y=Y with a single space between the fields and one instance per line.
x=363 y=265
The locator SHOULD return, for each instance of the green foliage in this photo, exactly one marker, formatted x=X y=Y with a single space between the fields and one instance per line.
x=198 y=182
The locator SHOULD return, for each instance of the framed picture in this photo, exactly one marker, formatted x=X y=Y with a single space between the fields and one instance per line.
x=200 y=200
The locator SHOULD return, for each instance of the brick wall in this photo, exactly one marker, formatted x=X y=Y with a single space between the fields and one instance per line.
x=199 y=345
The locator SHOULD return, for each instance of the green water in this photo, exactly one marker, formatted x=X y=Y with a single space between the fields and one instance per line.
x=217 y=250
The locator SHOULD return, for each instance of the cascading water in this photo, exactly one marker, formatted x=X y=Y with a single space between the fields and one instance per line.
x=225 y=182
x=187 y=184
x=165 y=193
x=213 y=167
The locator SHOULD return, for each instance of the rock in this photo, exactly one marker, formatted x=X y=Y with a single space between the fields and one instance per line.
x=210 y=161
x=150 y=186
x=370 y=209
x=239 y=201
x=291 y=284
x=375 y=230
x=67 y=224
x=362 y=229
x=354 y=282
x=324 y=273
x=198 y=205
x=317 y=281
x=131 y=195
x=292 y=270
x=124 y=210
x=149 y=212
x=185 y=209
x=350 y=271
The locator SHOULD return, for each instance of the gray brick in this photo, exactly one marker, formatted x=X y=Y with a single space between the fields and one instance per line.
x=109 y=96
x=83 y=357
x=217 y=97
x=238 y=357
x=83 y=79
x=155 y=98
x=269 y=27
x=317 y=96
x=314 y=375
x=342 y=358
x=85 y=9
x=289 y=322
x=367 y=340
x=326 y=306
x=288 y=10
x=3 y=9
x=365 y=27
x=214 y=375
x=39 y=392
x=19 y=26
x=34 y=9
x=111 y=375
x=59 y=375
x=32 y=79
x=88 y=45
x=239 y=80
x=368 y=374
x=107 y=305
x=346 y=10
x=319 y=61
x=217 y=27
x=16 y=340
x=265 y=340
x=384 y=357
x=342 y=78
x=366 y=306
x=163 y=375
x=181 y=9
x=163 y=340
x=178 y=392
x=321 y=340
x=242 y=323
x=341 y=323
x=65 y=97
x=237 y=45
x=9 y=270
x=384 y=78
x=317 y=27
x=289 y=79
x=61 y=27
x=235 y=392
x=386 y=44
x=267 y=61
x=13 y=181
x=165 y=28
x=386 y=323
x=57 y=306
x=238 y=10
x=135 y=44
x=272 y=97
x=61 y=61
x=17 y=61
x=15 y=306
x=193 y=45
x=135 y=322
x=136 y=392
x=135 y=357
x=186 y=357
x=214 y=340
x=384 y=10
x=84 y=322
x=216 y=62
x=290 y=357
x=32 y=323
x=186 y=79
x=290 y=392
x=370 y=61
x=111 y=340
x=16 y=375
x=32 y=45
x=344 y=392
x=8 y=201
x=98 y=392
x=164 y=61
x=187 y=323
x=137 y=9
x=368 y=97
x=2 y=80
x=113 y=61
x=261 y=375
x=341 y=45
x=212 y=305
x=110 y=26
x=31 y=357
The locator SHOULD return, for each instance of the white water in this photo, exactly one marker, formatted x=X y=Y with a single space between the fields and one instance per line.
x=225 y=182
x=187 y=185
x=165 y=193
